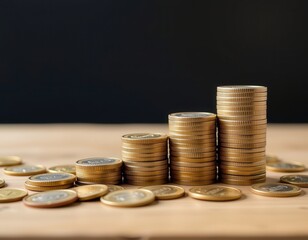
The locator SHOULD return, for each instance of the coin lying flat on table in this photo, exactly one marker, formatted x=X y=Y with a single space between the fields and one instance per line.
x=49 y=199
x=12 y=194
x=31 y=187
x=24 y=170
x=88 y=192
x=298 y=180
x=70 y=168
x=165 y=192
x=215 y=193
x=129 y=198
x=285 y=167
x=275 y=189
x=9 y=161
x=2 y=183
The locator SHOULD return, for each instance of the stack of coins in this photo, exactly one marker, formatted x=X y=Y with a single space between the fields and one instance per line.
x=241 y=112
x=99 y=170
x=192 y=139
x=50 y=181
x=145 y=158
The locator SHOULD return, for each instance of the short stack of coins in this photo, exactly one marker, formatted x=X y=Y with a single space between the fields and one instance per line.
x=99 y=170
x=145 y=158
x=192 y=140
x=241 y=113
x=50 y=181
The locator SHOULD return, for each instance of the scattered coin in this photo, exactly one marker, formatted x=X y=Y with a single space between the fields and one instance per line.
x=215 y=193
x=31 y=187
x=275 y=189
x=63 y=168
x=129 y=198
x=24 y=170
x=49 y=199
x=298 y=180
x=165 y=192
x=10 y=161
x=2 y=183
x=272 y=158
x=285 y=167
x=89 y=192
x=12 y=194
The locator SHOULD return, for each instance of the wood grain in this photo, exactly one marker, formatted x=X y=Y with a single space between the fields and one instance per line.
x=252 y=216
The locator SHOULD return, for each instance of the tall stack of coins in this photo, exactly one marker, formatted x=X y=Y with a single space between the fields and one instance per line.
x=241 y=112
x=99 y=170
x=145 y=158
x=192 y=138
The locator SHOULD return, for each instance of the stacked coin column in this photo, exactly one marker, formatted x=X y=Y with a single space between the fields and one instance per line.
x=145 y=158
x=241 y=112
x=192 y=139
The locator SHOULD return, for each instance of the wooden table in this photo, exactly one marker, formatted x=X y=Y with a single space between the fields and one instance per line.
x=251 y=217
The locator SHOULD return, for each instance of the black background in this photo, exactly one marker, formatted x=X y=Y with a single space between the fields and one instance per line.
x=136 y=61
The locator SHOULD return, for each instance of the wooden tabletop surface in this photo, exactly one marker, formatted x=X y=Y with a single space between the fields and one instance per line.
x=252 y=216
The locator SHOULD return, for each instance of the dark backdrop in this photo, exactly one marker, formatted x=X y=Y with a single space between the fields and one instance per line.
x=137 y=61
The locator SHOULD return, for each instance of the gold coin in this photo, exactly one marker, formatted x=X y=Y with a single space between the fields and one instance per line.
x=99 y=179
x=146 y=164
x=240 y=159
x=242 y=178
x=113 y=188
x=275 y=189
x=99 y=163
x=50 y=199
x=145 y=155
x=129 y=198
x=242 y=182
x=35 y=188
x=145 y=169
x=192 y=155
x=192 y=160
x=9 y=161
x=241 y=172
x=297 y=180
x=106 y=182
x=146 y=178
x=144 y=159
x=192 y=116
x=242 y=151
x=166 y=192
x=24 y=170
x=242 y=168
x=145 y=150
x=141 y=173
x=244 y=164
x=215 y=193
x=144 y=145
x=12 y=194
x=192 y=164
x=2 y=183
x=285 y=167
x=52 y=179
x=144 y=138
x=69 y=168
x=242 y=89
x=193 y=182
x=193 y=169
x=89 y=192
x=146 y=183
x=241 y=94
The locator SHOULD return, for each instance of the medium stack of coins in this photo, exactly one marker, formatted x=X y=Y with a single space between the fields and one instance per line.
x=50 y=181
x=99 y=170
x=192 y=138
x=145 y=158
x=241 y=112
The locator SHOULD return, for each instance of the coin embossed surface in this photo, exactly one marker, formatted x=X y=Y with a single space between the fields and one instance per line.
x=164 y=192
x=129 y=198
x=49 y=199
x=215 y=193
x=275 y=189
x=52 y=179
x=12 y=194
x=24 y=170
x=298 y=180
x=2 y=183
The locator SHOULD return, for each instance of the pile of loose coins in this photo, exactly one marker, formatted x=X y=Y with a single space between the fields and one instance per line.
x=145 y=158
x=192 y=139
x=241 y=113
x=99 y=170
